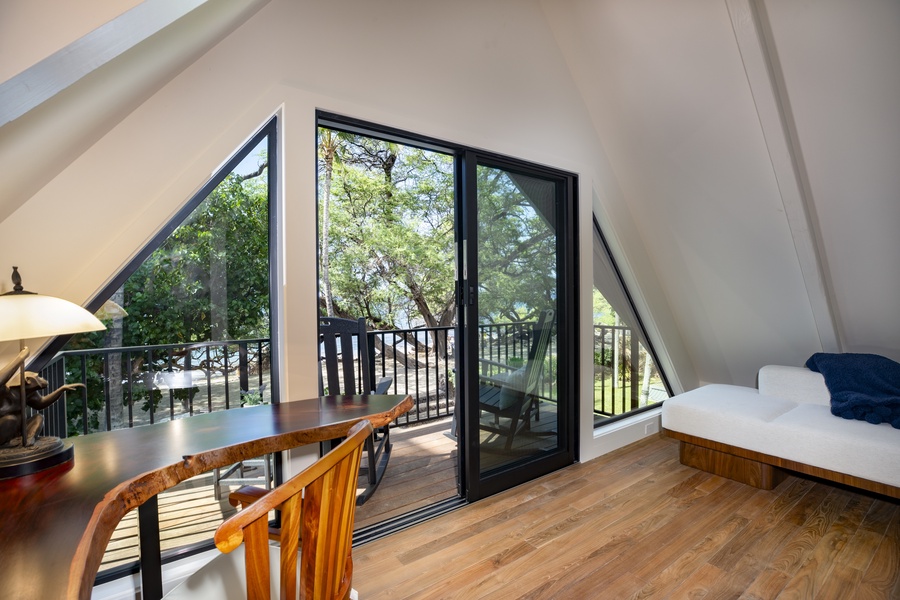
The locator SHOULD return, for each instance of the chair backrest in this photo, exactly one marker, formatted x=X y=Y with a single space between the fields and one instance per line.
x=540 y=340
x=317 y=510
x=343 y=341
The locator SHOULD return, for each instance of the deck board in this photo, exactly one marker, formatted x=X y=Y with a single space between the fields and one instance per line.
x=422 y=470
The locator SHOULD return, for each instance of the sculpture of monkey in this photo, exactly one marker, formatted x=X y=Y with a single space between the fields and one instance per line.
x=11 y=402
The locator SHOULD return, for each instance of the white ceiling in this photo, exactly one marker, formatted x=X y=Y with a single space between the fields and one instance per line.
x=758 y=146
x=755 y=145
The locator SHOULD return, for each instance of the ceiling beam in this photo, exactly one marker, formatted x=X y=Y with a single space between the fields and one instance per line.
x=42 y=81
x=758 y=53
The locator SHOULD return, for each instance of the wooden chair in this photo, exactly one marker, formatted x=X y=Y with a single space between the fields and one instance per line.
x=349 y=365
x=512 y=396
x=317 y=511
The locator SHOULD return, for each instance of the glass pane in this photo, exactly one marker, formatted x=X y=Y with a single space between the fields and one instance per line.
x=386 y=254
x=621 y=383
x=517 y=305
x=188 y=331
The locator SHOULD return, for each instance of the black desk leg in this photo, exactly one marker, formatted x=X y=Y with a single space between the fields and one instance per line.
x=151 y=563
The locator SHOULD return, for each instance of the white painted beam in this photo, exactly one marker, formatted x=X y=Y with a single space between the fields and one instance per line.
x=42 y=81
x=751 y=29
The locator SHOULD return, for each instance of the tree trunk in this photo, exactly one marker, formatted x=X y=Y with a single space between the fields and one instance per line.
x=114 y=336
x=645 y=382
x=218 y=282
x=329 y=148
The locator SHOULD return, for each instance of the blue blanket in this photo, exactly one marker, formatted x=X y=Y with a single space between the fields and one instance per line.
x=865 y=387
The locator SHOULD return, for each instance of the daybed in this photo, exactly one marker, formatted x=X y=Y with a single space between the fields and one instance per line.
x=754 y=436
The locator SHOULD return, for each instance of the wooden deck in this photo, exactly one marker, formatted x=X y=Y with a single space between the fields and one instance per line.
x=422 y=470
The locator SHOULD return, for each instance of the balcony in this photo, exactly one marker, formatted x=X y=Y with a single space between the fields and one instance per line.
x=132 y=386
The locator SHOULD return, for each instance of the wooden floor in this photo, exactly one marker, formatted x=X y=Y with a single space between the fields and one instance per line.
x=421 y=471
x=638 y=524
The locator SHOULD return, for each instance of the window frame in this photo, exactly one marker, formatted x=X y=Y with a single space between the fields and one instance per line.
x=269 y=131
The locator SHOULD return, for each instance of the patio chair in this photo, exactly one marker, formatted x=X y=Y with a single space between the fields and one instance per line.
x=511 y=397
x=349 y=362
x=317 y=512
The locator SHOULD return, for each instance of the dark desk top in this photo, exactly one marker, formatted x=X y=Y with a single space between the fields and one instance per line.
x=55 y=524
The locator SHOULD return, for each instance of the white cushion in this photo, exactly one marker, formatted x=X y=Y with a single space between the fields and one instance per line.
x=225 y=577
x=810 y=434
x=722 y=413
x=794 y=383
x=794 y=430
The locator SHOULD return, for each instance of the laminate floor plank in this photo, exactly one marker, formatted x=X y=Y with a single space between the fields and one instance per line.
x=636 y=524
x=882 y=578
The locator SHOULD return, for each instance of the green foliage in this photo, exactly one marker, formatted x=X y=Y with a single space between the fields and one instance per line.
x=209 y=281
x=390 y=234
x=603 y=358
x=390 y=242
x=516 y=250
x=603 y=312
x=251 y=398
x=172 y=297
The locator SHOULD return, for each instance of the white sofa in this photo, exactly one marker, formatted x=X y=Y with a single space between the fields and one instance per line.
x=754 y=436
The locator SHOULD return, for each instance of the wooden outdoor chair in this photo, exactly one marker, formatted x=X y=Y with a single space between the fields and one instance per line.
x=511 y=397
x=317 y=511
x=345 y=349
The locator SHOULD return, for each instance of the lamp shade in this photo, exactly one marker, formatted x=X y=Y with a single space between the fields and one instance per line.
x=26 y=315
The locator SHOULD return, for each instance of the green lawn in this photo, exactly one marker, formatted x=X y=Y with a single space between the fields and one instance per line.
x=614 y=404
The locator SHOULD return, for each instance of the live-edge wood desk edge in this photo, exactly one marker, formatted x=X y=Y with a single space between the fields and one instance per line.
x=49 y=548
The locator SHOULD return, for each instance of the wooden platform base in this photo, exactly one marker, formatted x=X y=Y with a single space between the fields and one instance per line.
x=743 y=470
x=760 y=470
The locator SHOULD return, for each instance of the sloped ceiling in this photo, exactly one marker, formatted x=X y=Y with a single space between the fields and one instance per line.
x=754 y=144
x=757 y=144
x=87 y=68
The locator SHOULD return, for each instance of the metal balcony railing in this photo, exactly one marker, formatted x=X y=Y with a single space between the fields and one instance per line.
x=126 y=387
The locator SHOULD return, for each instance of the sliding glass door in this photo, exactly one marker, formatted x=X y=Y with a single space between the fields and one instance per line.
x=518 y=297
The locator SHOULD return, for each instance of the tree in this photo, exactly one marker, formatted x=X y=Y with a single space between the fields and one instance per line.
x=390 y=238
x=517 y=268
x=208 y=281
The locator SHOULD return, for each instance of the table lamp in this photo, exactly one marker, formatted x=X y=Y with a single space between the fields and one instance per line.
x=25 y=315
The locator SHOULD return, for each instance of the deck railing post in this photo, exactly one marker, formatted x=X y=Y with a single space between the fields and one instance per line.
x=243 y=372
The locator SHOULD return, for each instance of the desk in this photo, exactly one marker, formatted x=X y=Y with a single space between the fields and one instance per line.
x=55 y=524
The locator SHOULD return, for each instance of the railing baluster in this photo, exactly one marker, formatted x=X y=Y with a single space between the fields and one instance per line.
x=225 y=362
x=84 y=400
x=106 y=392
x=149 y=384
x=130 y=389
x=171 y=391
x=427 y=387
x=188 y=368
x=208 y=379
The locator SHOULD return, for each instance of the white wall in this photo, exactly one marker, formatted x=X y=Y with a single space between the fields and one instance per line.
x=843 y=83
x=760 y=168
x=489 y=75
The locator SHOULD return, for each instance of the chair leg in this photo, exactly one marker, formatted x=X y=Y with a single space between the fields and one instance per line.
x=370 y=452
x=378 y=452
x=513 y=425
